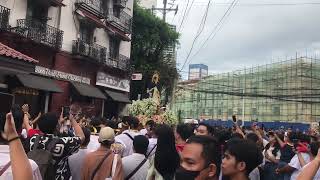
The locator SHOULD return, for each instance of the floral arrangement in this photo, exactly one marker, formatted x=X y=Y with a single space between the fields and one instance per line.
x=148 y=109
x=169 y=117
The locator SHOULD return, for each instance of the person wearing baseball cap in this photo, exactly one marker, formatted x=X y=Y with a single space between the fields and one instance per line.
x=103 y=163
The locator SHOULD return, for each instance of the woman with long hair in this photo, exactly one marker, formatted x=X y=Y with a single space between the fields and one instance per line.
x=272 y=156
x=166 y=159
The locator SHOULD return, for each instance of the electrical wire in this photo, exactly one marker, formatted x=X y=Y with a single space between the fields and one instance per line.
x=200 y=30
x=262 y=4
x=184 y=15
x=217 y=28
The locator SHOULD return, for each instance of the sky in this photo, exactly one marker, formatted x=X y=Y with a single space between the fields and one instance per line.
x=254 y=33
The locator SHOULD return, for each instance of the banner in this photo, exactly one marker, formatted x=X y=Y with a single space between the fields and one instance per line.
x=109 y=81
x=61 y=75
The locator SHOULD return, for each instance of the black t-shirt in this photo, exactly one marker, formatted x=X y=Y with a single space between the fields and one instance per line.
x=65 y=147
x=286 y=153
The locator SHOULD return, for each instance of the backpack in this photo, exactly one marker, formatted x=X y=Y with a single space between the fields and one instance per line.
x=44 y=158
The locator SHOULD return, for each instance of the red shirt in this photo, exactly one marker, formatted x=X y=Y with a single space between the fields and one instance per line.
x=180 y=147
x=33 y=132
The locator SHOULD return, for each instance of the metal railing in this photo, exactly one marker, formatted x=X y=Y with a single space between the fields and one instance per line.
x=39 y=32
x=120 y=3
x=4 y=18
x=123 y=21
x=94 y=6
x=121 y=62
x=93 y=51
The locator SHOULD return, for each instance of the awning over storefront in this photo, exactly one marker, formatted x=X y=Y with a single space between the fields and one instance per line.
x=39 y=83
x=119 y=97
x=87 y=90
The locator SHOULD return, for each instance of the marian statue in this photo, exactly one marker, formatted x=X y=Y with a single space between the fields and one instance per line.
x=154 y=92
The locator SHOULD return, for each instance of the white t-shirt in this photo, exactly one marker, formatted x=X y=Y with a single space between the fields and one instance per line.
x=94 y=143
x=254 y=174
x=127 y=141
x=152 y=143
x=270 y=154
x=76 y=162
x=130 y=163
x=143 y=132
x=296 y=164
x=5 y=158
x=24 y=133
x=264 y=142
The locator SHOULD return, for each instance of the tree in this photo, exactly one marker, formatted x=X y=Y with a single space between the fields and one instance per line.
x=150 y=37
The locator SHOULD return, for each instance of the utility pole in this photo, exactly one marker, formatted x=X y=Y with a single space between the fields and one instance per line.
x=165 y=10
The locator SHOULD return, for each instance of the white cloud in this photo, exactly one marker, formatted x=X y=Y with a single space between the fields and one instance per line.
x=252 y=34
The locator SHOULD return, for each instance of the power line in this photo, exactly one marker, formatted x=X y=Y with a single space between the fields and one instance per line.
x=184 y=14
x=219 y=25
x=261 y=4
x=175 y=13
x=214 y=33
x=200 y=30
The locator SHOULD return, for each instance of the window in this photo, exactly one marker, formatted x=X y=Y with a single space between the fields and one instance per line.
x=114 y=48
x=276 y=110
x=116 y=12
x=211 y=112
x=198 y=97
x=86 y=33
x=219 y=112
x=37 y=11
x=254 y=111
x=230 y=112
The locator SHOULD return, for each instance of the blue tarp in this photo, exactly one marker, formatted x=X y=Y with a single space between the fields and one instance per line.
x=268 y=125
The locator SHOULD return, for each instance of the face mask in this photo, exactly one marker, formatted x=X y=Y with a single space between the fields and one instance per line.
x=183 y=174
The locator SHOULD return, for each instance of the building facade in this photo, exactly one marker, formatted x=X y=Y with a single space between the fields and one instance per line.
x=82 y=46
x=197 y=71
x=287 y=91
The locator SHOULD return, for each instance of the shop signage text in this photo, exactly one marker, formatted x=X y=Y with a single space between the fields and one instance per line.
x=61 y=75
x=109 y=81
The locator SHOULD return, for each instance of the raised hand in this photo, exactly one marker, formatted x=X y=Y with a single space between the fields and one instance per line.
x=9 y=128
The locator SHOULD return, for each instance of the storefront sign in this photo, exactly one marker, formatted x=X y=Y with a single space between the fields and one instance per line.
x=136 y=77
x=106 y=80
x=61 y=75
x=25 y=91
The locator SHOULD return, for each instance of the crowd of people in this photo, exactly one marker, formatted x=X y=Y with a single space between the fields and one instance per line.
x=75 y=147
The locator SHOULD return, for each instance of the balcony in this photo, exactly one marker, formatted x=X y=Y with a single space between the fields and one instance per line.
x=92 y=6
x=121 y=62
x=122 y=22
x=39 y=32
x=92 y=51
x=4 y=18
x=120 y=3
x=55 y=3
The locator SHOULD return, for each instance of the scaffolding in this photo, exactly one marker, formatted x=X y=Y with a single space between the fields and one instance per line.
x=287 y=91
